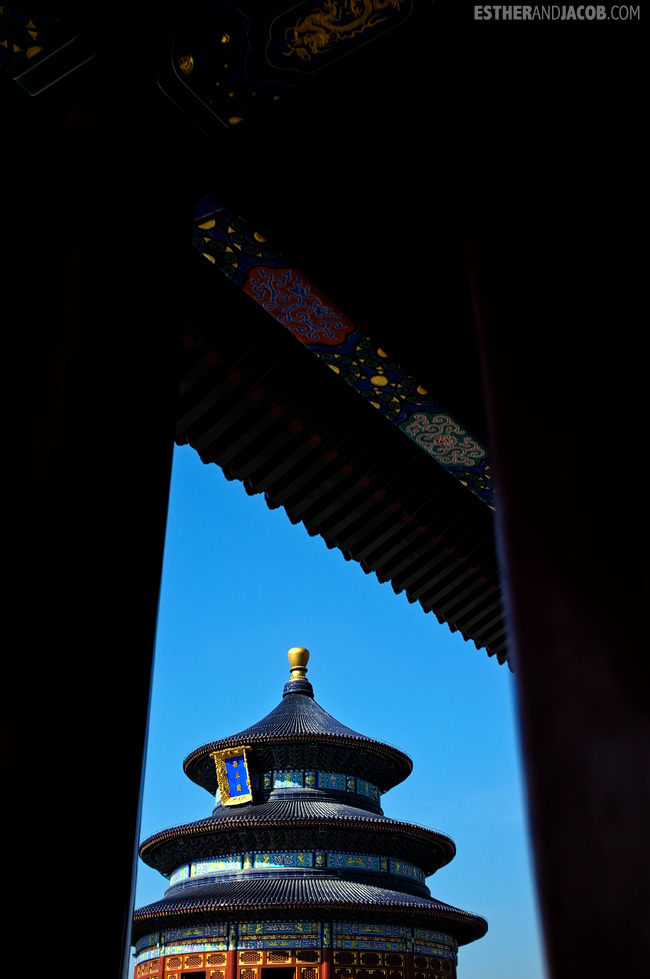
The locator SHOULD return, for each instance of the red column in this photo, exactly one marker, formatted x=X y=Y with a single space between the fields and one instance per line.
x=326 y=950
x=408 y=965
x=231 y=957
x=326 y=966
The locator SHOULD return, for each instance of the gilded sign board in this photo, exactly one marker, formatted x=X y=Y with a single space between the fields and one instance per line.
x=232 y=775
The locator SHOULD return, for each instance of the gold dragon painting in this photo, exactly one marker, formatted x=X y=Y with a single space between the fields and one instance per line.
x=333 y=22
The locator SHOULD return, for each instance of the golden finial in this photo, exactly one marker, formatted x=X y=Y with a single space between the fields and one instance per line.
x=298 y=658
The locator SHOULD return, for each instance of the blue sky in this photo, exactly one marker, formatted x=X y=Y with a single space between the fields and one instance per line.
x=241 y=585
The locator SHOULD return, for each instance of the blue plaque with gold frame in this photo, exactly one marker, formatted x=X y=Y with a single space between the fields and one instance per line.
x=232 y=775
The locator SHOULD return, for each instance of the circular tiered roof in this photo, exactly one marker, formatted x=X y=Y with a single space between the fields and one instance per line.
x=309 y=833
x=297 y=825
x=329 y=897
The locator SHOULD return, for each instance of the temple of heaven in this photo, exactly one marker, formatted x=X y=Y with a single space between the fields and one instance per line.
x=297 y=874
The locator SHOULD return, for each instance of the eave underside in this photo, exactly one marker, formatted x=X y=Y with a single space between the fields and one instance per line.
x=309 y=826
x=327 y=897
x=382 y=765
x=258 y=404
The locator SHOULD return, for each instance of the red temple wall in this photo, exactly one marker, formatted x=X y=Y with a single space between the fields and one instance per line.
x=308 y=963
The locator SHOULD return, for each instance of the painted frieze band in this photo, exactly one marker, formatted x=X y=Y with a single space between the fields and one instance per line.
x=312 y=780
x=297 y=859
x=279 y=934
x=340 y=935
x=169 y=935
x=269 y=277
x=427 y=942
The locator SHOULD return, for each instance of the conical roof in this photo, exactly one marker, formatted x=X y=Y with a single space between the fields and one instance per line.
x=300 y=730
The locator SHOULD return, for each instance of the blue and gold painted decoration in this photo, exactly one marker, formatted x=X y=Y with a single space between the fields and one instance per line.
x=230 y=243
x=365 y=928
x=321 y=780
x=194 y=931
x=370 y=937
x=367 y=789
x=178 y=941
x=214 y=76
x=237 y=776
x=427 y=942
x=296 y=859
x=286 y=941
x=181 y=948
x=218 y=865
x=356 y=935
x=443 y=951
x=29 y=34
x=371 y=944
x=289 y=858
x=297 y=934
x=353 y=935
x=374 y=374
x=248 y=929
x=182 y=873
x=269 y=277
x=375 y=864
x=232 y=775
x=313 y=34
x=287 y=780
x=279 y=934
x=354 y=861
x=403 y=869
x=332 y=780
x=148 y=941
x=151 y=953
x=230 y=62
